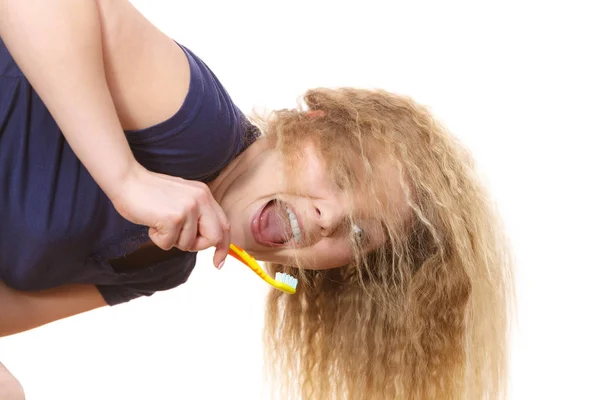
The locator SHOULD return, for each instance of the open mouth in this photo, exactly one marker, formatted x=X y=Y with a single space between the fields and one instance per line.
x=276 y=225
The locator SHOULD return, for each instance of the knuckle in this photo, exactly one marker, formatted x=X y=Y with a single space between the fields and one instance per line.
x=215 y=237
x=226 y=227
x=203 y=192
x=177 y=219
x=189 y=207
x=201 y=197
x=202 y=185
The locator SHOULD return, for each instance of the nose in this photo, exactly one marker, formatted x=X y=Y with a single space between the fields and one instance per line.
x=328 y=217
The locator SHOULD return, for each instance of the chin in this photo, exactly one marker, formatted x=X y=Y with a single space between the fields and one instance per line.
x=240 y=237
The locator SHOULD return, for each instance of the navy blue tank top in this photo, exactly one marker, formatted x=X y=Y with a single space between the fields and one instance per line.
x=56 y=224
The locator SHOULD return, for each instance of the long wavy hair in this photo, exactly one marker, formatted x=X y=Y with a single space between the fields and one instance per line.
x=424 y=316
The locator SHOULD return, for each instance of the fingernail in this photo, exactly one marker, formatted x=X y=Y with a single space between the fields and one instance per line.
x=221 y=265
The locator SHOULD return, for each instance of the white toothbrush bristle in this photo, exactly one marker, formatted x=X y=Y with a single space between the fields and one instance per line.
x=287 y=279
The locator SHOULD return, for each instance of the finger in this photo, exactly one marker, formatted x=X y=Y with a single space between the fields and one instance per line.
x=210 y=231
x=221 y=215
x=202 y=243
x=160 y=239
x=221 y=252
x=167 y=232
x=189 y=231
x=222 y=248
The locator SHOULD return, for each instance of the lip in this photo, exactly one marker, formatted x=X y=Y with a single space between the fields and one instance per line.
x=255 y=230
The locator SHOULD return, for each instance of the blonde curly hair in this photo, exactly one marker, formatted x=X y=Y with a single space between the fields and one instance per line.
x=426 y=315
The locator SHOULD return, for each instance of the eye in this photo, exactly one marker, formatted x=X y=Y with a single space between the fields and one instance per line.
x=358 y=234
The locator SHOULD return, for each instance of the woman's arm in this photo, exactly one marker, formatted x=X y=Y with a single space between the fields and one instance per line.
x=21 y=311
x=58 y=46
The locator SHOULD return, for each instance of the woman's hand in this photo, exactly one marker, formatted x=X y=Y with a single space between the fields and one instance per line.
x=179 y=213
x=58 y=46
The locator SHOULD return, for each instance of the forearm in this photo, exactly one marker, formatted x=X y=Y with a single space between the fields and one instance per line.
x=58 y=46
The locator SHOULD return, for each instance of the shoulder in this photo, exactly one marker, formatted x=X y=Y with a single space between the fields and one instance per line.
x=179 y=118
x=202 y=137
x=147 y=73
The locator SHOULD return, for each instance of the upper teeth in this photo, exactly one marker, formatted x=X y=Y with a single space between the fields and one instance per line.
x=294 y=224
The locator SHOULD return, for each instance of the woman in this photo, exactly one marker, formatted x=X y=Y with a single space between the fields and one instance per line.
x=404 y=275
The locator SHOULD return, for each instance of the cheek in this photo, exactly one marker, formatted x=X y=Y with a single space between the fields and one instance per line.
x=328 y=254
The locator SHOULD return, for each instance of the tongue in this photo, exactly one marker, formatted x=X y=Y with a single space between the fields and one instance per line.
x=274 y=227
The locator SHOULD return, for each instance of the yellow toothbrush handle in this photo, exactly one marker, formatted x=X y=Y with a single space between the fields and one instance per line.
x=247 y=259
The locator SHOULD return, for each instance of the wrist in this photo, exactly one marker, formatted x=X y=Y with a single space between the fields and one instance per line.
x=121 y=179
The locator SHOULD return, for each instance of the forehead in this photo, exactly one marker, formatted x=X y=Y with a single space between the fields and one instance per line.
x=373 y=187
x=379 y=203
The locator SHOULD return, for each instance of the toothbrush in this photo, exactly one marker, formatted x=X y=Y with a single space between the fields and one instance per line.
x=283 y=282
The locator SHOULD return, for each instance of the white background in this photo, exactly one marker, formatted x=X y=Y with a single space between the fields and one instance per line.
x=517 y=81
